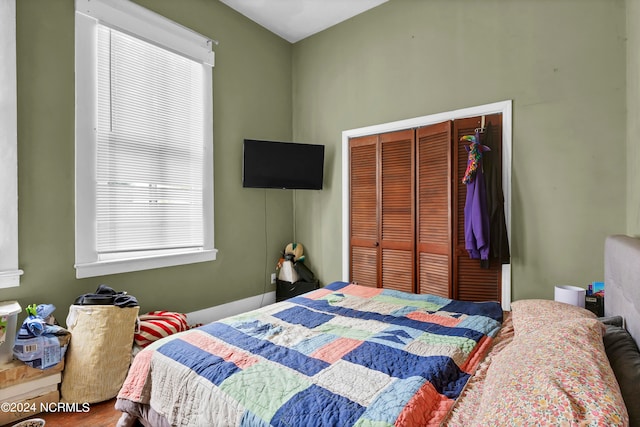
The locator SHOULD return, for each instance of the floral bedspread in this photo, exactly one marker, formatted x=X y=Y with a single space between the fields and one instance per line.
x=548 y=367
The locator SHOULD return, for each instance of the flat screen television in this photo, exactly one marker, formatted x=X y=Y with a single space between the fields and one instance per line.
x=286 y=165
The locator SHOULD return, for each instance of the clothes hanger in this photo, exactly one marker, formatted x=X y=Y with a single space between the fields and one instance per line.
x=481 y=128
x=467 y=140
x=470 y=139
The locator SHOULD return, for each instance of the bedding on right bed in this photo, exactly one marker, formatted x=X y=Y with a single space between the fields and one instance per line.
x=548 y=366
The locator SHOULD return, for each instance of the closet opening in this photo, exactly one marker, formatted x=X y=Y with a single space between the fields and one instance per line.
x=403 y=202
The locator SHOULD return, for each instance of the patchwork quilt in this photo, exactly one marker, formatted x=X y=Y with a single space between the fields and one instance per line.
x=342 y=355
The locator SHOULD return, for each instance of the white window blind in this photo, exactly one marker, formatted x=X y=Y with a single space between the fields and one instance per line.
x=149 y=146
x=144 y=141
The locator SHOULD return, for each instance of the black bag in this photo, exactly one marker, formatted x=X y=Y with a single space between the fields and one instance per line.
x=304 y=274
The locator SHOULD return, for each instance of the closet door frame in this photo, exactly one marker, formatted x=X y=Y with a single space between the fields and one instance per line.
x=502 y=107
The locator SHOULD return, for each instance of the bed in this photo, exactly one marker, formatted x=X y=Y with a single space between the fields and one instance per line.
x=348 y=355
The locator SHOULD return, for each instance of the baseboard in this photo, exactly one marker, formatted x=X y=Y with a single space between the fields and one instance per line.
x=211 y=314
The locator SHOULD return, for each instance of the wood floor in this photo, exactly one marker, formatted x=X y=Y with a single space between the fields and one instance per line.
x=101 y=414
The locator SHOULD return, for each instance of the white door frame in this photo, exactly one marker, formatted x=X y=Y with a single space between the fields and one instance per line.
x=503 y=107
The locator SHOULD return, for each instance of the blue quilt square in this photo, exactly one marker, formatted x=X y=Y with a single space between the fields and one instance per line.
x=211 y=367
x=315 y=407
x=303 y=316
x=441 y=371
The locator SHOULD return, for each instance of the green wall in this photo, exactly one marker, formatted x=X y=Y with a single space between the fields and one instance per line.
x=252 y=99
x=561 y=62
x=633 y=117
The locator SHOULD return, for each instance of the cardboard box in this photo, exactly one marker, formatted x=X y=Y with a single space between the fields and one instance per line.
x=17 y=372
x=26 y=389
x=28 y=407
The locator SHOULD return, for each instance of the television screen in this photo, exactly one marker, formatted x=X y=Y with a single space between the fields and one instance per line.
x=287 y=165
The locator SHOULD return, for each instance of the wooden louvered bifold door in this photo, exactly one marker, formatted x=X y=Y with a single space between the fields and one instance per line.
x=363 y=221
x=433 y=202
x=407 y=212
x=397 y=210
x=471 y=282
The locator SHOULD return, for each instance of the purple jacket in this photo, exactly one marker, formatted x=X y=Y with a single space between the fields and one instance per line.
x=476 y=218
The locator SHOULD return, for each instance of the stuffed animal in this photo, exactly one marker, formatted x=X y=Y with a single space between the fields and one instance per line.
x=293 y=253
x=475 y=150
x=296 y=250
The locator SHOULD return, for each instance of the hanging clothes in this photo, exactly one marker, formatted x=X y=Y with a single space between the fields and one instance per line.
x=476 y=217
x=499 y=247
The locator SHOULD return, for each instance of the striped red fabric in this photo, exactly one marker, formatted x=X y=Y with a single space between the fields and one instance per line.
x=159 y=324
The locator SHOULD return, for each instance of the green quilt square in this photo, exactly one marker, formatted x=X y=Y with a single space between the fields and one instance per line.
x=264 y=387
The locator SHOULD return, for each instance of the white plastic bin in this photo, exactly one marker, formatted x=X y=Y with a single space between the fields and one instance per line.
x=9 y=311
x=570 y=295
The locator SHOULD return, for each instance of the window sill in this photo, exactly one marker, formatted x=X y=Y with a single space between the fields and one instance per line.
x=10 y=278
x=102 y=268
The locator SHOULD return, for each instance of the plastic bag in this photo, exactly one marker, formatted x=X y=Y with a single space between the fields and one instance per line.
x=38 y=343
x=287 y=272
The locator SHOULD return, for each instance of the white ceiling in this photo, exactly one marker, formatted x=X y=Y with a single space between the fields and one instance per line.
x=293 y=20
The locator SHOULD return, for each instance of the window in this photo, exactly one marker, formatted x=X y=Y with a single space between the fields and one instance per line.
x=9 y=272
x=144 y=141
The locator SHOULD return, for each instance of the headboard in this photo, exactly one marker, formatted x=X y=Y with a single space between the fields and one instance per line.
x=622 y=281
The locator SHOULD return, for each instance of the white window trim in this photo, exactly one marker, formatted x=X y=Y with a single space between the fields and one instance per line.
x=503 y=107
x=9 y=271
x=133 y=19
